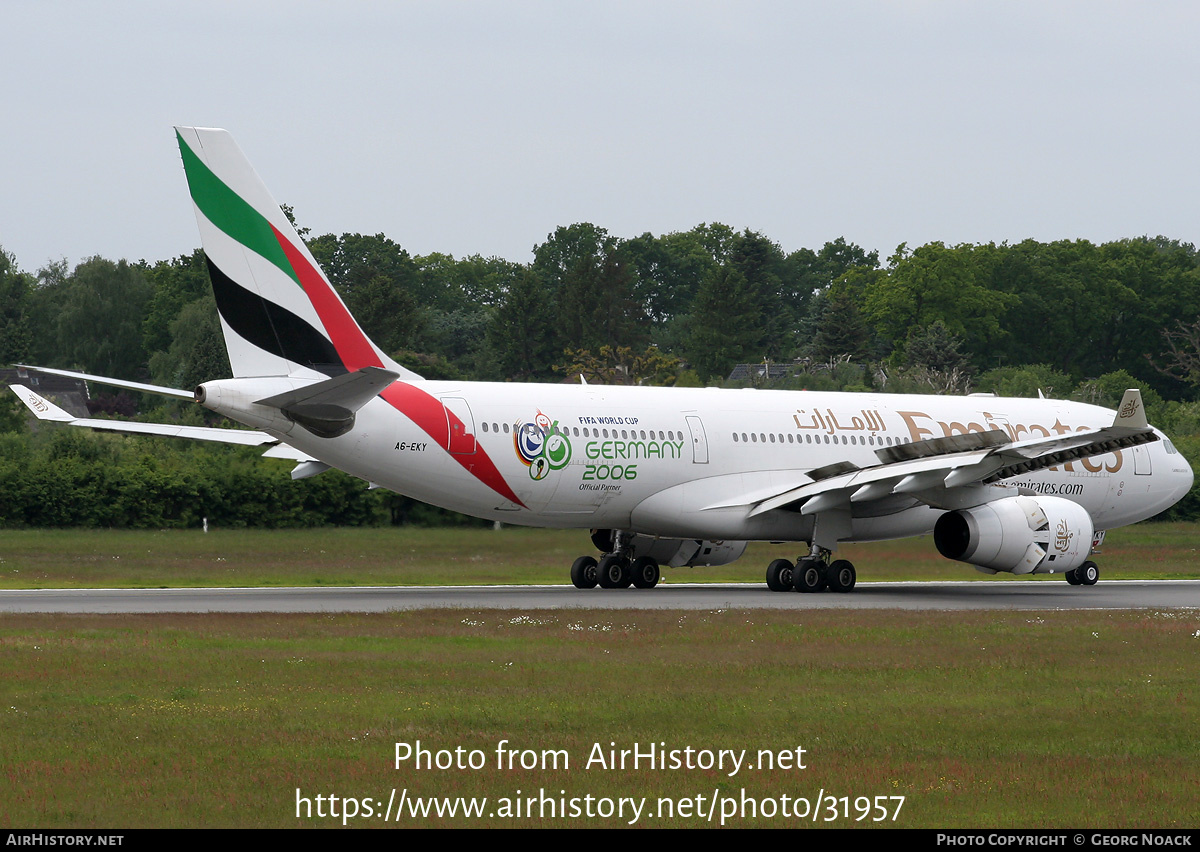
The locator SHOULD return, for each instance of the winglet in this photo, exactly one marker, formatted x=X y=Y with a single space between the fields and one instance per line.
x=42 y=408
x=1131 y=413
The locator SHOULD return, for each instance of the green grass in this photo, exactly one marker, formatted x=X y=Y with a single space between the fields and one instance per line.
x=467 y=556
x=979 y=719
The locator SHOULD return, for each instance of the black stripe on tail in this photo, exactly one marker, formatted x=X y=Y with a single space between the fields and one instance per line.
x=272 y=328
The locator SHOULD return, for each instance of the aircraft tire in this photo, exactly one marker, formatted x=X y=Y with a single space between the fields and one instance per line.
x=613 y=572
x=779 y=575
x=1088 y=573
x=645 y=573
x=583 y=573
x=1072 y=576
x=842 y=576
x=809 y=576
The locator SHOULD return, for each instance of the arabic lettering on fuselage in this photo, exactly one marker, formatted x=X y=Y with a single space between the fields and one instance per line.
x=828 y=422
x=920 y=426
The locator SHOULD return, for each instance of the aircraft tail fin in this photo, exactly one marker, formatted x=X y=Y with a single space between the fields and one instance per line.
x=279 y=313
x=1131 y=412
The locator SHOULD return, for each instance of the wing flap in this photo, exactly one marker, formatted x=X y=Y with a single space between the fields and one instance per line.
x=874 y=483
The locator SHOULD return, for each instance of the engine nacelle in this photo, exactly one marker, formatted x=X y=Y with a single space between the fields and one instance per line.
x=1024 y=535
x=675 y=552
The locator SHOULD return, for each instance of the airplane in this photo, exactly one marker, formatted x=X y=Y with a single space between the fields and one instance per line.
x=659 y=476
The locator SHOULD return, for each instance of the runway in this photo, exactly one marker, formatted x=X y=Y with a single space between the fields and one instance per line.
x=1033 y=595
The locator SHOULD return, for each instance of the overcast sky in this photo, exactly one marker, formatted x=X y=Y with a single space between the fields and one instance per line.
x=479 y=127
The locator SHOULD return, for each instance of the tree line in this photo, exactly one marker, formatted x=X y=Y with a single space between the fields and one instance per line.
x=1071 y=318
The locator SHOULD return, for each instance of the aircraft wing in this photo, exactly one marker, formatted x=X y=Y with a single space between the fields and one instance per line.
x=354 y=390
x=175 y=393
x=958 y=471
x=44 y=409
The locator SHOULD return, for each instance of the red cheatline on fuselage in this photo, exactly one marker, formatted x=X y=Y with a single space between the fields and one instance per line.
x=357 y=352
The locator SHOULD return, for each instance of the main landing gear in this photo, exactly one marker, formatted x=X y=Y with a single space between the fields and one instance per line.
x=616 y=569
x=814 y=573
x=1085 y=575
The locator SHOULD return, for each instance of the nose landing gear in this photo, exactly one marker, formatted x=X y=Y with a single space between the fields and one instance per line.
x=1085 y=575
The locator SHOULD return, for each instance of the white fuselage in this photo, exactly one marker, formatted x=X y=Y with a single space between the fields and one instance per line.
x=689 y=463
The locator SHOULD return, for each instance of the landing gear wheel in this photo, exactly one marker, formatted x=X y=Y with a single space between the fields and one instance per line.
x=841 y=576
x=779 y=575
x=809 y=576
x=583 y=573
x=645 y=573
x=1088 y=573
x=613 y=572
x=1072 y=576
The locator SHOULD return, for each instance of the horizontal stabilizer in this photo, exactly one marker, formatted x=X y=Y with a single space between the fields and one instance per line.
x=327 y=408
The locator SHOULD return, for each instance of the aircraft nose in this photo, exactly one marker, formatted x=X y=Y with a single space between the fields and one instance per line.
x=1184 y=478
x=1179 y=481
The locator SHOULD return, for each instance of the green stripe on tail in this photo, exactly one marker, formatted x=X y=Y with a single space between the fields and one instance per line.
x=230 y=212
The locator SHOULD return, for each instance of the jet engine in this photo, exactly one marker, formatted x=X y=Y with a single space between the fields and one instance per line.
x=1024 y=535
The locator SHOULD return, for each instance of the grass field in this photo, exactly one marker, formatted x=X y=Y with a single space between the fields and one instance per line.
x=1039 y=719
x=469 y=556
x=977 y=719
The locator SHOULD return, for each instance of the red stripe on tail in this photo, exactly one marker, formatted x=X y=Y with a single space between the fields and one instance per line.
x=356 y=352
x=351 y=344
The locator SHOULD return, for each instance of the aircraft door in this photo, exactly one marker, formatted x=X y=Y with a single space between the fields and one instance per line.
x=699 y=441
x=460 y=426
x=1141 y=460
